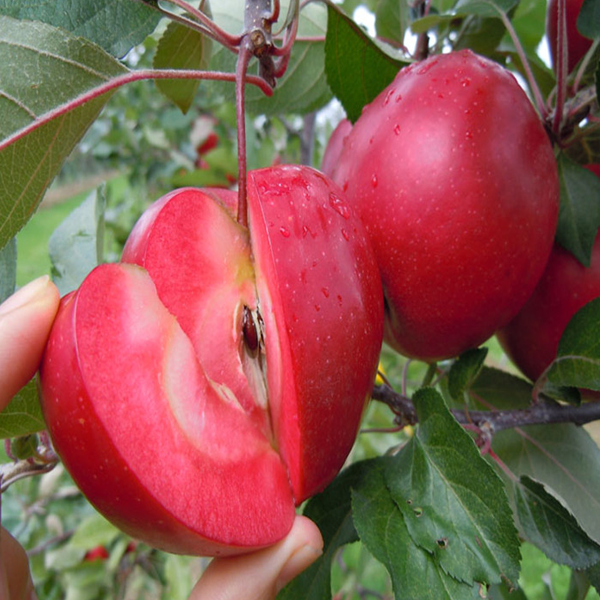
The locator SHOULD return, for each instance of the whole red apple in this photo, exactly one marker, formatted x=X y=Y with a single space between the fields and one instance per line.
x=531 y=338
x=456 y=182
x=577 y=45
x=199 y=394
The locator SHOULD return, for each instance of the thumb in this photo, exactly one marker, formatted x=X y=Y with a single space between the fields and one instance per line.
x=25 y=322
x=260 y=575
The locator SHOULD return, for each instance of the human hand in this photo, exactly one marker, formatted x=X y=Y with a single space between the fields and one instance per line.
x=25 y=321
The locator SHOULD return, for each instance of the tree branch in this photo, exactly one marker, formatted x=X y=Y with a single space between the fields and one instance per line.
x=542 y=413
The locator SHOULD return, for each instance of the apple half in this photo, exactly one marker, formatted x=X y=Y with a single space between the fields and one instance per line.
x=214 y=379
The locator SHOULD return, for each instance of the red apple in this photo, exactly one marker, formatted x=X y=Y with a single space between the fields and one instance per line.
x=334 y=146
x=456 y=182
x=98 y=553
x=531 y=338
x=198 y=395
x=576 y=45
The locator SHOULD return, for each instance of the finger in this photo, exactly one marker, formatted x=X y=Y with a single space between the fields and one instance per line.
x=260 y=575
x=15 y=580
x=25 y=321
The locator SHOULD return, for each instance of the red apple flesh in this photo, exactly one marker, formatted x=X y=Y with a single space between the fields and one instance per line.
x=456 y=182
x=200 y=394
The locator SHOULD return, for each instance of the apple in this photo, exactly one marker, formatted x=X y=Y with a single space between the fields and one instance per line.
x=99 y=553
x=209 y=383
x=456 y=182
x=576 y=44
x=531 y=338
x=335 y=145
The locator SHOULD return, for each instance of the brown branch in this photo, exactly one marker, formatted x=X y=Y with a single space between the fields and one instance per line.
x=543 y=413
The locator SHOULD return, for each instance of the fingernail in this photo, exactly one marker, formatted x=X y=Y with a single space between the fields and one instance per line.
x=300 y=560
x=27 y=294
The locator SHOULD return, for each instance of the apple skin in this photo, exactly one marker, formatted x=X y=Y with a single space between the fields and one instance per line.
x=456 y=182
x=155 y=395
x=577 y=45
x=531 y=339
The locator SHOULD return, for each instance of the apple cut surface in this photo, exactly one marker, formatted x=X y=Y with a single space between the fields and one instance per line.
x=146 y=435
x=215 y=379
x=455 y=179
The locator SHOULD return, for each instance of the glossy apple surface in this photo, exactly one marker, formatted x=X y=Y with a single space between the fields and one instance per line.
x=456 y=182
x=214 y=379
x=531 y=338
x=577 y=45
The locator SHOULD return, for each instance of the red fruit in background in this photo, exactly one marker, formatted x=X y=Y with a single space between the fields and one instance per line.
x=334 y=146
x=97 y=553
x=456 y=182
x=209 y=143
x=531 y=338
x=198 y=395
x=577 y=45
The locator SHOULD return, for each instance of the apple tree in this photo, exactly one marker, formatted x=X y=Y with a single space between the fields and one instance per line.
x=327 y=192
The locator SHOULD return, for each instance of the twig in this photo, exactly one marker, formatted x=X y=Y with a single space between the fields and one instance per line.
x=545 y=412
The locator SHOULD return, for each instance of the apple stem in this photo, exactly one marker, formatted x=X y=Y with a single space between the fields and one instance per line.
x=244 y=57
x=561 y=67
x=533 y=86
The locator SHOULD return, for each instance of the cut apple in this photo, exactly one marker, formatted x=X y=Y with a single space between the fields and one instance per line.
x=199 y=394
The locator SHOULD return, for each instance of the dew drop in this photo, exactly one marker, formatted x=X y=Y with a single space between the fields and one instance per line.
x=465 y=82
x=284 y=232
x=325 y=292
x=469 y=135
x=388 y=97
x=374 y=180
x=398 y=97
x=346 y=235
x=339 y=206
x=317 y=307
x=397 y=129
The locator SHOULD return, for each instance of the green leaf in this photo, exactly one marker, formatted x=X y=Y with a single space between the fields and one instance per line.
x=93 y=531
x=563 y=458
x=484 y=8
x=115 y=25
x=465 y=370
x=8 y=269
x=24 y=447
x=331 y=511
x=76 y=245
x=588 y=21
x=181 y=48
x=579 y=216
x=415 y=573
x=391 y=20
x=55 y=68
x=578 y=358
x=454 y=504
x=23 y=415
x=551 y=527
x=593 y=574
x=357 y=69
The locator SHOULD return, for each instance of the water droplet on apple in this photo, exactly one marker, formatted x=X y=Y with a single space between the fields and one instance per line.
x=465 y=82
x=346 y=235
x=397 y=129
x=285 y=232
x=339 y=205
x=325 y=292
x=317 y=307
x=374 y=180
x=388 y=97
x=398 y=97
